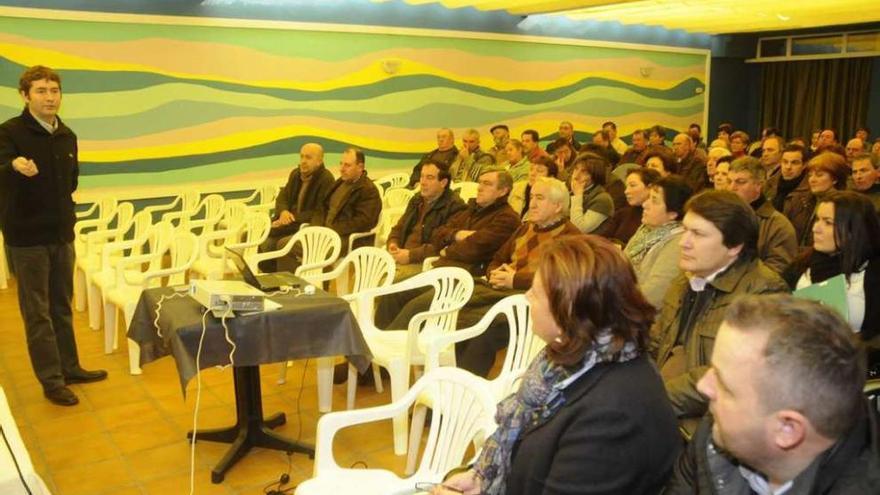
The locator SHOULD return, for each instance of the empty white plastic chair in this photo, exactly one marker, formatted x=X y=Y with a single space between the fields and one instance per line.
x=399 y=349
x=397 y=198
x=392 y=181
x=247 y=234
x=96 y=217
x=320 y=248
x=185 y=201
x=463 y=415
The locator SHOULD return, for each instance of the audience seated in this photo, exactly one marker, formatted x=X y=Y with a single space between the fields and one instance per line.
x=530 y=140
x=590 y=414
x=445 y=153
x=409 y=240
x=564 y=154
x=517 y=163
x=352 y=205
x=846 y=240
x=299 y=199
x=695 y=132
x=788 y=413
x=590 y=204
x=866 y=177
x=777 y=241
x=471 y=160
x=640 y=144
x=791 y=181
x=501 y=136
x=566 y=134
x=657 y=136
x=739 y=143
x=520 y=197
x=660 y=159
x=510 y=272
x=689 y=166
x=771 y=155
x=711 y=163
x=602 y=139
x=825 y=172
x=625 y=221
x=654 y=250
x=616 y=143
x=719 y=261
x=723 y=133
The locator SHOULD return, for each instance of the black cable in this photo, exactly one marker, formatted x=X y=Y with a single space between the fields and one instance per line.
x=15 y=461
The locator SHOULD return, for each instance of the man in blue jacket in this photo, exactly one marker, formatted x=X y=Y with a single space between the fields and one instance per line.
x=39 y=169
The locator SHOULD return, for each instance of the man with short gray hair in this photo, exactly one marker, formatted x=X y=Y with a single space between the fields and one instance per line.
x=777 y=241
x=787 y=410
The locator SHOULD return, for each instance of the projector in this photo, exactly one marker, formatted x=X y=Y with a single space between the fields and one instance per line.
x=226 y=295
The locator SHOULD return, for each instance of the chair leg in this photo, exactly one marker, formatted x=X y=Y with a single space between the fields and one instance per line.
x=134 y=349
x=325 y=384
x=351 y=386
x=109 y=327
x=282 y=374
x=415 y=437
x=94 y=300
x=399 y=372
x=377 y=378
x=79 y=289
x=4 y=265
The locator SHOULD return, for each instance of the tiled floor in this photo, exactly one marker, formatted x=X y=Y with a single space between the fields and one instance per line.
x=127 y=435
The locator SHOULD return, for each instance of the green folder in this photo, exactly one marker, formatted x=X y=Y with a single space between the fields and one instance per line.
x=831 y=292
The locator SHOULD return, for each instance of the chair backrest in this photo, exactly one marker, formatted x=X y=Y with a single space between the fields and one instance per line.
x=182 y=252
x=320 y=248
x=252 y=230
x=211 y=209
x=453 y=287
x=397 y=198
x=466 y=190
x=463 y=412
x=234 y=214
x=373 y=267
x=268 y=193
x=522 y=346
x=392 y=181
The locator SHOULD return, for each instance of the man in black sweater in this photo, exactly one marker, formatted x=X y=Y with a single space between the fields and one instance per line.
x=39 y=170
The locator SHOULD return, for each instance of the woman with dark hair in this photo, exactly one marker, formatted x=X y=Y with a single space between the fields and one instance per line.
x=625 y=221
x=826 y=172
x=660 y=159
x=846 y=240
x=591 y=414
x=591 y=205
x=654 y=249
x=564 y=154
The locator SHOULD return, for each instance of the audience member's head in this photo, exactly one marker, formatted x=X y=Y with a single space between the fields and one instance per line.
x=827 y=171
x=865 y=171
x=543 y=166
x=351 y=166
x=724 y=131
x=847 y=223
x=566 y=130
x=739 y=142
x=853 y=147
x=667 y=200
x=712 y=159
x=792 y=164
x=682 y=145
x=657 y=136
x=863 y=133
x=602 y=137
x=747 y=178
x=660 y=159
x=611 y=128
x=639 y=140
x=471 y=140
x=584 y=286
x=530 y=140
x=311 y=156
x=500 y=134
x=720 y=228
x=695 y=132
x=514 y=150
x=827 y=138
x=591 y=168
x=785 y=383
x=638 y=182
x=434 y=179
x=721 y=179
x=564 y=151
x=494 y=183
x=549 y=201
x=445 y=139
x=771 y=151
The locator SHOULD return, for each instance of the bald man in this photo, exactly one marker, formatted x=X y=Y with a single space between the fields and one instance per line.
x=305 y=191
x=690 y=166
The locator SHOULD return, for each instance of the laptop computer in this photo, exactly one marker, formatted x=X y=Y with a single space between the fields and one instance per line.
x=266 y=281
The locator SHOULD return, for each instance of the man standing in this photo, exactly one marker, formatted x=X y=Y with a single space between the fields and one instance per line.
x=719 y=261
x=865 y=177
x=299 y=199
x=777 y=241
x=787 y=410
x=445 y=153
x=471 y=159
x=690 y=166
x=40 y=170
x=501 y=136
x=409 y=240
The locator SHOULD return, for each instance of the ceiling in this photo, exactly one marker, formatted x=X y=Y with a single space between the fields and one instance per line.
x=697 y=16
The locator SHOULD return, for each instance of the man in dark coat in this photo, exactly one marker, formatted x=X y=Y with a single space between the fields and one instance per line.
x=40 y=169
x=445 y=153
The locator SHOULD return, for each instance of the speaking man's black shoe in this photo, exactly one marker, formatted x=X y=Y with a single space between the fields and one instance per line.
x=83 y=376
x=61 y=396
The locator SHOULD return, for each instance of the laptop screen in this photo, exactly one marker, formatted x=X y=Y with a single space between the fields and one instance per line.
x=237 y=257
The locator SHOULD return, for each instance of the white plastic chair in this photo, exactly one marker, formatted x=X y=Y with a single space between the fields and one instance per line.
x=522 y=347
x=397 y=198
x=96 y=217
x=463 y=415
x=205 y=217
x=392 y=181
x=369 y=267
x=466 y=190
x=4 y=264
x=262 y=200
x=321 y=247
x=185 y=201
x=399 y=349
x=247 y=234
x=182 y=250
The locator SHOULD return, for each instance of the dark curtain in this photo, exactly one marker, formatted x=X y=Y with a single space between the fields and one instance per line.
x=801 y=96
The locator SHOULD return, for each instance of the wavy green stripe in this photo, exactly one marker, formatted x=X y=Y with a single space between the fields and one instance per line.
x=330 y=46
x=101 y=82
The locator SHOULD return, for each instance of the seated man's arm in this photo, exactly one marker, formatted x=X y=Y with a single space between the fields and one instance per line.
x=485 y=241
x=282 y=201
x=365 y=212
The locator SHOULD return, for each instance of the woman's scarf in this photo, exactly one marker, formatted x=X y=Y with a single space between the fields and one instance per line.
x=539 y=397
x=647 y=237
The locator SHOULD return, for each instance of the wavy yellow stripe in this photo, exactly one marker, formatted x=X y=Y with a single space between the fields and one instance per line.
x=179 y=60
x=226 y=135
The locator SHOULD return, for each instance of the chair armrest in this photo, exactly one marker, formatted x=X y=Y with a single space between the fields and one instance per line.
x=88 y=212
x=157 y=208
x=428 y=263
x=360 y=235
x=436 y=344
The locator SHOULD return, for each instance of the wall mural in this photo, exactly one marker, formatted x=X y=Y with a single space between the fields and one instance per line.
x=163 y=106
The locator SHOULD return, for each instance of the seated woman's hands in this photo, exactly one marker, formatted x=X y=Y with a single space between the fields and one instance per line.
x=467 y=483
